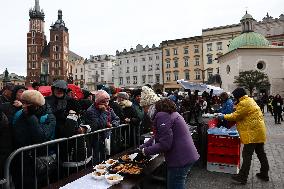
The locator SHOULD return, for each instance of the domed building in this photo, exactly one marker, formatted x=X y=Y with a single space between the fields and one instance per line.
x=252 y=51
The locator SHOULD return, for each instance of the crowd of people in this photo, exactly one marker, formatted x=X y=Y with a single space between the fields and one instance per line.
x=27 y=118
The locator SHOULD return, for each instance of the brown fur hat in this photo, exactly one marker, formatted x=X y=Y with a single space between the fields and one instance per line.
x=34 y=97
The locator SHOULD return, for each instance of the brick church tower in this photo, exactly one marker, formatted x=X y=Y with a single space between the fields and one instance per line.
x=59 y=49
x=36 y=41
x=46 y=62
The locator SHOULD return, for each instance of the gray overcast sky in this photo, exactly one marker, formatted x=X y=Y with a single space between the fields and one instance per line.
x=104 y=26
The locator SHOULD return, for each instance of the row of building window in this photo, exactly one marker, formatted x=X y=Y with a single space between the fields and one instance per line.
x=186 y=63
x=76 y=77
x=76 y=71
x=150 y=79
x=142 y=59
x=185 y=50
x=96 y=65
x=56 y=37
x=34 y=65
x=150 y=68
x=54 y=72
x=218 y=44
x=90 y=80
x=187 y=76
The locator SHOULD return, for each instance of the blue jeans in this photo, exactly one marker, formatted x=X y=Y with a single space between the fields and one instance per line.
x=176 y=176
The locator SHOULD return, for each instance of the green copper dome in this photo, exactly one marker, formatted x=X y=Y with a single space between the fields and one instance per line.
x=247 y=16
x=249 y=39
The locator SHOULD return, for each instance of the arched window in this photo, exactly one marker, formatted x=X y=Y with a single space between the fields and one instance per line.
x=248 y=28
x=44 y=67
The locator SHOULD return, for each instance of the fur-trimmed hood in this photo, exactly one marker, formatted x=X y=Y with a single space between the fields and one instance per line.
x=125 y=103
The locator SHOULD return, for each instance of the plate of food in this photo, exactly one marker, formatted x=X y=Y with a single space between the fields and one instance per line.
x=126 y=169
x=126 y=158
x=110 y=162
x=98 y=175
x=113 y=178
x=101 y=167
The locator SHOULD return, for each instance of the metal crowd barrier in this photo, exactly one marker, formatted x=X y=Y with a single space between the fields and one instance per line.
x=124 y=132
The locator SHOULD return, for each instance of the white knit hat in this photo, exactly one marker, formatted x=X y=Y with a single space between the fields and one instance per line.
x=148 y=96
x=34 y=97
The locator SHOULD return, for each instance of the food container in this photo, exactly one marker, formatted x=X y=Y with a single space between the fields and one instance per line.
x=113 y=178
x=101 y=167
x=110 y=162
x=98 y=175
x=126 y=169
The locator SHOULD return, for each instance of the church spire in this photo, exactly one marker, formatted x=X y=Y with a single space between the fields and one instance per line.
x=37 y=8
x=59 y=14
x=36 y=13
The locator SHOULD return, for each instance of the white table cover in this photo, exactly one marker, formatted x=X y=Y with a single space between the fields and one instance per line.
x=87 y=182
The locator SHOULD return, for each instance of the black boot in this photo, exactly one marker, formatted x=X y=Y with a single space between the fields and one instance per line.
x=239 y=179
x=262 y=177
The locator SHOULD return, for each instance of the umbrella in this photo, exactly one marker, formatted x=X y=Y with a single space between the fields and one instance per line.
x=46 y=91
x=78 y=93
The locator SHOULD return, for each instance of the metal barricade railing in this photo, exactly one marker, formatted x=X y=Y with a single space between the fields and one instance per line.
x=53 y=147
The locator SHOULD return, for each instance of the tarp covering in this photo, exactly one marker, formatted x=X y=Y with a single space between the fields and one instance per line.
x=200 y=87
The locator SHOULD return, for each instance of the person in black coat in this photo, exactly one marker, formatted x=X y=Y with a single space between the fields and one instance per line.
x=130 y=116
x=277 y=104
x=61 y=104
x=33 y=124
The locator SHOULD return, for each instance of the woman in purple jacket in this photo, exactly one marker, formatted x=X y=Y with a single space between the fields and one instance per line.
x=171 y=137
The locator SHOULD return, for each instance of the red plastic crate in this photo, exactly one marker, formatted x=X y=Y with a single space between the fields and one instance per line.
x=227 y=159
x=223 y=150
x=222 y=140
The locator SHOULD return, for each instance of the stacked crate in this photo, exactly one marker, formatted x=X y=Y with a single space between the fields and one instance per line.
x=223 y=154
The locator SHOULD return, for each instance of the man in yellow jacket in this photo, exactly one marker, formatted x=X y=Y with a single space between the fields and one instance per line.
x=252 y=131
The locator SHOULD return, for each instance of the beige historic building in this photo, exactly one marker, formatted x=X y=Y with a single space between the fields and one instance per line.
x=182 y=59
x=215 y=44
x=252 y=51
x=138 y=66
x=216 y=40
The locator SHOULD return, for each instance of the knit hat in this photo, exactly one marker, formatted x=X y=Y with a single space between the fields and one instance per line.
x=34 y=97
x=101 y=95
x=239 y=92
x=123 y=95
x=148 y=96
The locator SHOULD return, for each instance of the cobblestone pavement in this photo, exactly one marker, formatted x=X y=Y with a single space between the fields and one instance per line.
x=202 y=179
